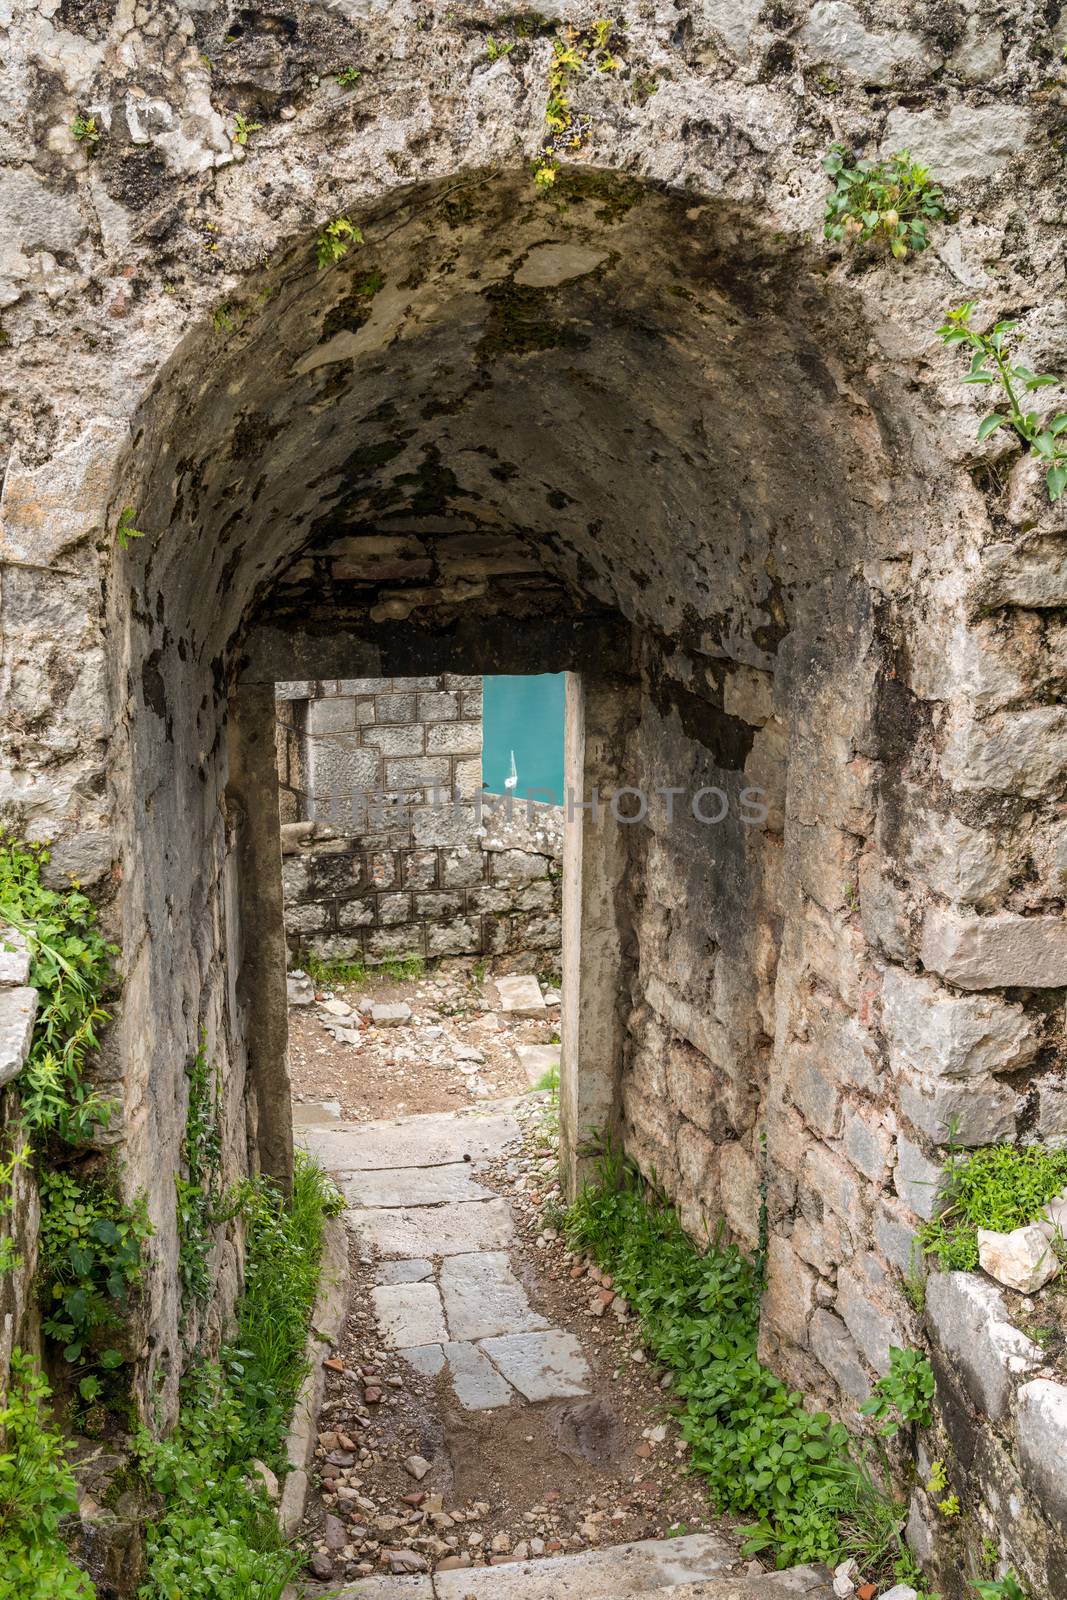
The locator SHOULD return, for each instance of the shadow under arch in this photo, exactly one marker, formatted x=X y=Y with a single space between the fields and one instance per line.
x=628 y=433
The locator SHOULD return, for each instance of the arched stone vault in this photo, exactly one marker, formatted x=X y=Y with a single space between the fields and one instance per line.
x=631 y=437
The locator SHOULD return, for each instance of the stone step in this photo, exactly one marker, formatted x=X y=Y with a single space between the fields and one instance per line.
x=694 y=1567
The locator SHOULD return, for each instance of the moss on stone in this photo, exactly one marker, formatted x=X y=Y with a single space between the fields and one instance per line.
x=614 y=194
x=354 y=310
x=519 y=322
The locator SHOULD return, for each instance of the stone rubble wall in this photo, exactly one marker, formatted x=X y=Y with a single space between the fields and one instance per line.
x=365 y=886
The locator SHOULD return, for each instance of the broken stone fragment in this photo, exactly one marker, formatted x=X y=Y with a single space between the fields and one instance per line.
x=300 y=989
x=1023 y=1259
x=390 y=1016
x=417 y=1467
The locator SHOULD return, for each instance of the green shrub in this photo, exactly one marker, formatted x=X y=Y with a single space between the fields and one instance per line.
x=759 y=1451
x=198 y=1190
x=217 y=1538
x=906 y=1390
x=36 y=1493
x=92 y=1259
x=71 y=970
x=992 y=364
x=891 y=200
x=997 y=1187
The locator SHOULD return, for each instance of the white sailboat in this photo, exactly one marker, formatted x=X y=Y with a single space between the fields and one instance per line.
x=511 y=782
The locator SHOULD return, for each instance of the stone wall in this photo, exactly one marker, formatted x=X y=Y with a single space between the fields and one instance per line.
x=649 y=428
x=379 y=861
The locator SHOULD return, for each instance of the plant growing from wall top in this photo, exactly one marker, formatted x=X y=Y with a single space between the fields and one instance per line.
x=572 y=52
x=889 y=201
x=335 y=241
x=992 y=363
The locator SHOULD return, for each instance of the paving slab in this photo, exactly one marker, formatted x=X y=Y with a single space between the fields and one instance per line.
x=623 y=1570
x=447 y=1230
x=519 y=995
x=425 y=1358
x=537 y=1059
x=413 y=1271
x=541 y=1366
x=387 y=1589
x=413 y=1186
x=435 y=1140
x=483 y=1297
x=478 y=1385
x=409 y=1313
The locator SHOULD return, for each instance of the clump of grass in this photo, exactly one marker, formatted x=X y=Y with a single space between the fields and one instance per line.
x=406 y=968
x=218 y=1538
x=997 y=1187
x=328 y=974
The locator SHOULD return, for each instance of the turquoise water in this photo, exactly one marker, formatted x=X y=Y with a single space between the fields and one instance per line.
x=524 y=715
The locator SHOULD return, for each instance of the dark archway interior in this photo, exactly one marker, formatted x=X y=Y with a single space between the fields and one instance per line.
x=624 y=433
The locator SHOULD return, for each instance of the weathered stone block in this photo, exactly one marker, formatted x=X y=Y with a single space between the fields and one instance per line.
x=352 y=914
x=518 y=866
x=461 y=869
x=894 y=1234
x=456 y=938
x=884 y=912
x=868 y=1144
x=1052 y=1110
x=393 y=909
x=916 y=1179
x=698 y=1167
x=835 y=33
x=968 y=1320
x=998 y=951
x=980 y=1112
x=416 y=772
x=863 y=1292
x=402 y=940
x=334 y=715
x=789 y=1297
x=1018 y=752
x=816 y=1096
x=1041 y=1430
x=438 y=905
x=441 y=706
x=420 y=868
x=834 y=1346
x=939 y=1033
x=395 y=739
x=14 y=956
x=959 y=143
x=394 y=707
x=311 y=918
x=454 y=738
x=739 y=1189
x=971 y=866
x=18 y=1008
x=828 y=1176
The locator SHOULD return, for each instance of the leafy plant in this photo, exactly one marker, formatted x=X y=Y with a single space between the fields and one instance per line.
x=70 y=967
x=348 y=77
x=335 y=241
x=20 y=1155
x=1006 y=1588
x=92 y=1258
x=243 y=129
x=495 y=51
x=572 y=51
x=760 y=1452
x=217 y=1538
x=890 y=201
x=198 y=1192
x=996 y=1187
x=937 y=1478
x=36 y=1492
x=906 y=1390
x=124 y=528
x=992 y=363
x=85 y=130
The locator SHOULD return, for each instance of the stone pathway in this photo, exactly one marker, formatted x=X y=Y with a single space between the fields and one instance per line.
x=445 y=1294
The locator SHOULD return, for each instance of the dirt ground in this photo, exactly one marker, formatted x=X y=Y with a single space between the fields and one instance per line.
x=405 y=1068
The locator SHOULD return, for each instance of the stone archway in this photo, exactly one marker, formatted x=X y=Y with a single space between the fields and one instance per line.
x=630 y=438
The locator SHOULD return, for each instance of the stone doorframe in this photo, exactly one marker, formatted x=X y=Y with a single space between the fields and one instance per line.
x=601 y=704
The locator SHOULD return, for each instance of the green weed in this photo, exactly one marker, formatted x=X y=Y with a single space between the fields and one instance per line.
x=335 y=241
x=902 y=1395
x=992 y=363
x=348 y=77
x=403 y=968
x=198 y=1191
x=85 y=130
x=1006 y=1588
x=997 y=1187
x=36 y=1492
x=328 y=974
x=124 y=528
x=243 y=129
x=891 y=200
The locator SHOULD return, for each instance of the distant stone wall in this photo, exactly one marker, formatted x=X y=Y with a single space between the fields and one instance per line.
x=379 y=860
